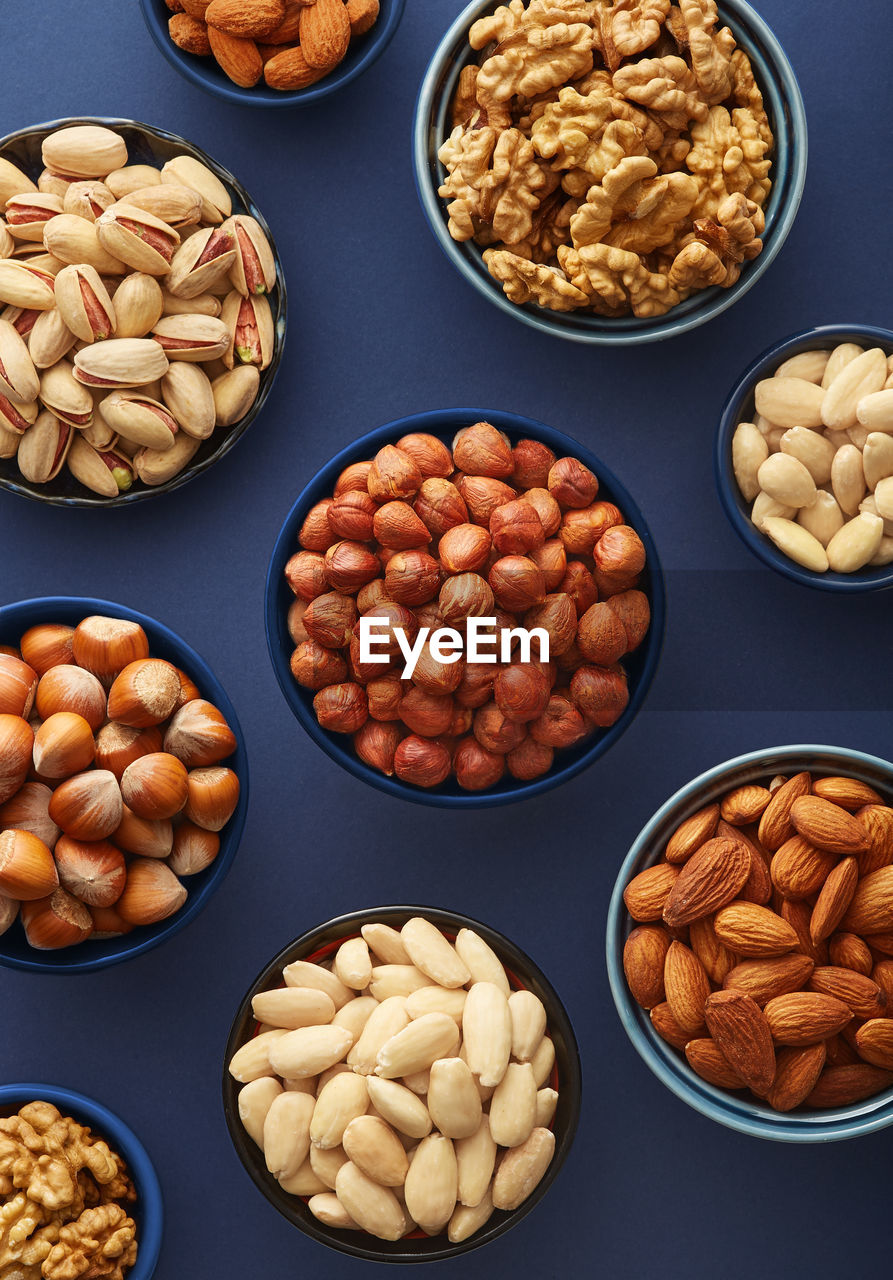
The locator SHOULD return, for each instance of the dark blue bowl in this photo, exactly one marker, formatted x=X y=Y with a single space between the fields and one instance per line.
x=640 y=665
x=205 y=72
x=15 y=619
x=740 y=408
x=784 y=107
x=148 y=1212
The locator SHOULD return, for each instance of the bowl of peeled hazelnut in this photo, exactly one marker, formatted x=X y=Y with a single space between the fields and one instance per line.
x=464 y=608
x=402 y=1083
x=123 y=784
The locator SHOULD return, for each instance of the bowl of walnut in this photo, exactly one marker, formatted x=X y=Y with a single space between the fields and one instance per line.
x=610 y=173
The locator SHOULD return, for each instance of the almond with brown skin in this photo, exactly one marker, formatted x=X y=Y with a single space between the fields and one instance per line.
x=797 y=915
x=644 y=955
x=842 y=1086
x=363 y=15
x=667 y=1027
x=775 y=823
x=647 y=892
x=238 y=59
x=288 y=30
x=839 y=1052
x=691 y=834
x=758 y=885
x=881 y=944
x=763 y=980
x=849 y=793
x=878 y=822
x=799 y=870
x=687 y=987
x=874 y=1040
x=871 y=908
x=325 y=33
x=882 y=974
x=827 y=826
x=848 y=951
x=709 y=879
x=751 y=930
x=190 y=34
x=836 y=895
x=796 y=1073
x=741 y=1031
x=744 y=805
x=706 y=1059
x=247 y=19
x=805 y=1017
x=289 y=69
x=861 y=994
x=716 y=958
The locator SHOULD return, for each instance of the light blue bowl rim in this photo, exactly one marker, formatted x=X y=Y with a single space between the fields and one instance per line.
x=784 y=105
x=438 y=421
x=156 y=16
x=27 y=613
x=118 y=1135
x=728 y=1109
x=826 y=335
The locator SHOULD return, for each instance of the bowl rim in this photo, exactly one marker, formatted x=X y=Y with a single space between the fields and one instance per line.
x=67 y=960
x=513 y=957
x=435 y=420
x=121 y=1137
x=384 y=29
x=732 y=1110
x=660 y=328
x=826 y=335
x=28 y=489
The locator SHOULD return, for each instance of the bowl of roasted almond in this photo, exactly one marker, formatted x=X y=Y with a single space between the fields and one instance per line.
x=750 y=943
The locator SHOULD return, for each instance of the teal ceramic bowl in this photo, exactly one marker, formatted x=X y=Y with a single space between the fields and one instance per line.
x=784 y=107
x=736 y=1111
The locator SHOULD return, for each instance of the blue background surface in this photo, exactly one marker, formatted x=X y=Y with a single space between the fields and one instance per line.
x=380 y=326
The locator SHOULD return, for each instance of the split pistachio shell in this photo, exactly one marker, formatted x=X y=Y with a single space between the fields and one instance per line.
x=13 y=181
x=853 y=546
x=133 y=177
x=7 y=243
x=84 y=151
x=202 y=262
x=861 y=377
x=796 y=543
x=46 y=263
x=255 y=1100
x=9 y=440
x=175 y=206
x=140 y=419
x=823 y=518
x=787 y=480
x=120 y=362
x=144 y=242
x=44 y=448
x=188 y=172
x=54 y=184
x=50 y=340
x=106 y=472
x=139 y=305
x=187 y=392
x=249 y=322
x=19 y=380
x=22 y=286
x=61 y=392
x=191 y=337
x=17 y=418
x=254 y=268
x=87 y=199
x=75 y=240
x=155 y=466
x=28 y=214
x=205 y=304
x=234 y=393
x=100 y=435
x=84 y=303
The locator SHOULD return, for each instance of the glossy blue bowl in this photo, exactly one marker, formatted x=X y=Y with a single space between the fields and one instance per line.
x=640 y=665
x=737 y=1111
x=205 y=72
x=148 y=1212
x=15 y=619
x=784 y=107
x=740 y=408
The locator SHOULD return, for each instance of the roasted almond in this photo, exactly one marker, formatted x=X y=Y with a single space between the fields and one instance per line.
x=691 y=834
x=878 y=822
x=827 y=826
x=741 y=1031
x=710 y=878
x=842 y=1086
x=796 y=1073
x=647 y=892
x=324 y=33
x=744 y=804
x=874 y=1040
x=248 y=19
x=644 y=954
x=871 y=908
x=848 y=951
x=752 y=930
x=798 y=915
x=716 y=958
x=707 y=1060
x=667 y=1027
x=687 y=987
x=849 y=793
x=773 y=976
x=805 y=1017
x=834 y=899
x=775 y=823
x=863 y=996
x=798 y=869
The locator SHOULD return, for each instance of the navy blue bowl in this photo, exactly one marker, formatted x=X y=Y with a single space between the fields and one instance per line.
x=738 y=1111
x=640 y=665
x=15 y=951
x=147 y=145
x=784 y=107
x=318 y=945
x=148 y=1212
x=740 y=408
x=205 y=72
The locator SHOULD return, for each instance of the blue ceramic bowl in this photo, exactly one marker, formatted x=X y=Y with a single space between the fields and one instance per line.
x=737 y=1111
x=148 y=1212
x=15 y=619
x=318 y=946
x=147 y=145
x=784 y=106
x=640 y=665
x=740 y=408
x=205 y=72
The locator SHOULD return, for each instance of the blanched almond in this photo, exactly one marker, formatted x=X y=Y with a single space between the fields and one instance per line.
x=528 y=1023
x=862 y=376
x=400 y=1107
x=375 y=1149
x=513 y=1106
x=352 y=964
x=789 y=402
x=428 y=1038
x=787 y=480
x=481 y=960
x=293 y=1007
x=522 y=1169
x=301 y=973
x=255 y=1100
x=309 y=1050
x=340 y=1101
x=475 y=1160
x=430 y=952
x=431 y=1185
x=373 y=1208
x=252 y=1059
x=465 y=1221
x=796 y=543
x=286 y=1133
x=749 y=452
x=449 y=1000
x=384 y=1022
x=854 y=545
x=487 y=1032
x=453 y=1101
x=397 y=980
x=386 y=943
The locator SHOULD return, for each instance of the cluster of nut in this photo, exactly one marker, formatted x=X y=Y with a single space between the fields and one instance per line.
x=101 y=747
x=609 y=157
x=65 y=1200
x=765 y=942
x=290 y=44
x=135 y=318
x=422 y=536
x=817 y=461
x=406 y=1088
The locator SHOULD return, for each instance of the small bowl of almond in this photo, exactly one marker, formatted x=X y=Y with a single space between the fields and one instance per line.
x=750 y=943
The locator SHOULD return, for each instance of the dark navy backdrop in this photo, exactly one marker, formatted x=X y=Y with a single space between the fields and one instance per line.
x=380 y=326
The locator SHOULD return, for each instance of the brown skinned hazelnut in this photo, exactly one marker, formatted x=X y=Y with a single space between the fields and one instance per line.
x=464 y=549
x=463 y=718
x=466 y=595
x=601 y=636
x=351 y=516
x=634 y=611
x=398 y=527
x=532 y=461
x=477 y=683
x=430 y=455
x=355 y=476
x=516 y=528
x=362 y=672
x=570 y=659
x=551 y=561
x=482 y=495
x=47 y=645
x=560 y=725
x=613 y=584
x=314 y=667
x=330 y=618
x=427 y=714
x=477 y=768
x=581 y=529
x=422 y=761
x=376 y=744
x=546 y=508
x=557 y=616
x=481 y=450
x=372 y=594
x=428 y=615
x=600 y=693
x=619 y=551
x=571 y=484
x=341 y=708
x=440 y=506
x=295 y=621
x=530 y=760
x=384 y=694
x=305 y=573
x=349 y=566
x=435 y=676
x=579 y=584
x=394 y=474
x=495 y=731
x=412 y=577
x=521 y=691
x=316 y=533
x=392 y=616
x=517 y=583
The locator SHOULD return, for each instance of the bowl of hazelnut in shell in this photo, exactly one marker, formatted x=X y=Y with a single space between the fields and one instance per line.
x=443 y=530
